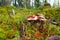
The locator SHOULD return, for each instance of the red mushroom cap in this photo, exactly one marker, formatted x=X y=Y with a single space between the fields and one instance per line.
x=32 y=18
x=36 y=17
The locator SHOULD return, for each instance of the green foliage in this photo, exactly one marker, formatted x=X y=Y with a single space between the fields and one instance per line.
x=2 y=34
x=10 y=24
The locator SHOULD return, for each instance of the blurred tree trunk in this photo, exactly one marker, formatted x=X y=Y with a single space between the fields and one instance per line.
x=37 y=3
x=20 y=2
x=27 y=3
x=7 y=2
x=45 y=1
x=54 y=4
x=58 y=3
x=15 y=2
x=0 y=2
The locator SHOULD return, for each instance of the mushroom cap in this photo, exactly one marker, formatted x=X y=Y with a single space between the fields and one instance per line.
x=32 y=18
x=37 y=17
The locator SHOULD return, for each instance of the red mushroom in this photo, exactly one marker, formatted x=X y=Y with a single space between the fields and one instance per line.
x=39 y=18
x=32 y=18
x=36 y=17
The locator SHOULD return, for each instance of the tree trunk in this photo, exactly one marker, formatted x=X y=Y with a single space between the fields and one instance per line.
x=21 y=3
x=27 y=3
x=37 y=3
x=45 y=1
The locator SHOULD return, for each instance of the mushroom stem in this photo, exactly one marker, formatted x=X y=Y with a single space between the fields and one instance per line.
x=23 y=33
x=41 y=26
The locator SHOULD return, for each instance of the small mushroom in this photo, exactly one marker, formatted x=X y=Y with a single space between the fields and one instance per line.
x=32 y=18
x=41 y=19
x=37 y=18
